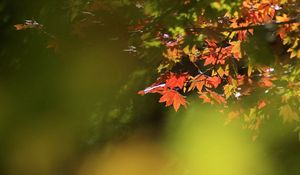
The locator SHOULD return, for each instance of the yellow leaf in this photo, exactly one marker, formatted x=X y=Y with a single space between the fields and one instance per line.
x=282 y=18
x=227 y=70
x=173 y=54
x=164 y=66
x=228 y=90
x=214 y=73
x=221 y=72
x=287 y=40
x=186 y=50
x=194 y=54
x=295 y=43
x=250 y=70
x=234 y=82
x=293 y=53
x=236 y=49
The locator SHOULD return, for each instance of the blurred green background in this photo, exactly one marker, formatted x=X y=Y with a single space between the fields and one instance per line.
x=75 y=110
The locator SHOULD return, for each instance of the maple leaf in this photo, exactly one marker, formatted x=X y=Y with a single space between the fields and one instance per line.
x=214 y=81
x=282 y=31
x=220 y=72
x=172 y=97
x=198 y=82
x=204 y=96
x=210 y=59
x=217 y=97
x=176 y=80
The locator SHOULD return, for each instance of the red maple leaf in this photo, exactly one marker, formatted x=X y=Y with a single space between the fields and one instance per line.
x=214 y=81
x=172 y=97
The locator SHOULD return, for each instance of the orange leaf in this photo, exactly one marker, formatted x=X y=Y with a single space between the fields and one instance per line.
x=176 y=80
x=198 y=82
x=210 y=59
x=172 y=97
x=282 y=18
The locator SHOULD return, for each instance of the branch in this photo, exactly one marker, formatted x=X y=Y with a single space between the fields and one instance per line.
x=295 y=20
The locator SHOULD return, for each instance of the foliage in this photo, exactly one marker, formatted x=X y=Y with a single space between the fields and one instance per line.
x=242 y=55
